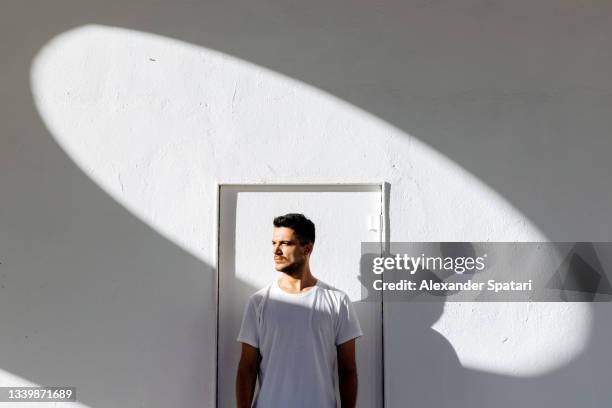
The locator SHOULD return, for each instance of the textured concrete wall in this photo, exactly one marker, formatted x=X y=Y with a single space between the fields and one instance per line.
x=488 y=120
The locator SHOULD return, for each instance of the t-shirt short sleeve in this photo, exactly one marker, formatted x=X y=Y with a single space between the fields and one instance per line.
x=348 y=323
x=248 y=330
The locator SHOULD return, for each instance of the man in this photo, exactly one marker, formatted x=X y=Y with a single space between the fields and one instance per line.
x=296 y=331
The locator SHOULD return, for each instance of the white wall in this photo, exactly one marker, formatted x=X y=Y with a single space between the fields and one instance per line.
x=489 y=121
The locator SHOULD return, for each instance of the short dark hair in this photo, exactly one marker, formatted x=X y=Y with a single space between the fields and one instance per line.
x=304 y=228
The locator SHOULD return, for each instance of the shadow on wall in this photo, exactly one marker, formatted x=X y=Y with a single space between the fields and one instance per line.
x=516 y=93
x=93 y=297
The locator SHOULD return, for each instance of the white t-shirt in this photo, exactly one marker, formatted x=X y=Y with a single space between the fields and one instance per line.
x=297 y=335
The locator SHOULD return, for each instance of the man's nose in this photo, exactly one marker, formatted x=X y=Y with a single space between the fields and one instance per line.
x=277 y=250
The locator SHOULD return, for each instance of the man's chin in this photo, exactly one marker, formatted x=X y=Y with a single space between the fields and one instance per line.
x=288 y=269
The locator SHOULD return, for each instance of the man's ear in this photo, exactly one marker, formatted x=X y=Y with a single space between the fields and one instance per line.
x=308 y=248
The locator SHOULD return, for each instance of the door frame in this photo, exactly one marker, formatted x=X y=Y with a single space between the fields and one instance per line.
x=384 y=236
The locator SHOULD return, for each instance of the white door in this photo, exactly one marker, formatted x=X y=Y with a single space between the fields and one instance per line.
x=343 y=216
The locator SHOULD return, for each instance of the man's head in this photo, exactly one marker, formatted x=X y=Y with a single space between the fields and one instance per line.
x=292 y=241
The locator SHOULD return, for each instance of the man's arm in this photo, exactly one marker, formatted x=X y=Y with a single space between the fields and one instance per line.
x=347 y=374
x=246 y=377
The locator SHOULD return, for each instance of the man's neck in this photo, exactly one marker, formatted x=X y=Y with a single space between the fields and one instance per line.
x=297 y=283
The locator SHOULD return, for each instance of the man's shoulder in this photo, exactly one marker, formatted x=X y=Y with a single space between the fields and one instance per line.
x=261 y=294
x=332 y=291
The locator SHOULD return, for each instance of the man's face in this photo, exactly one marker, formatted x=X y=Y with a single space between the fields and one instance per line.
x=289 y=254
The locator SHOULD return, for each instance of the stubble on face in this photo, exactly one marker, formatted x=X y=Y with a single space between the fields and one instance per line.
x=293 y=268
x=289 y=256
